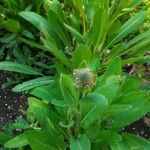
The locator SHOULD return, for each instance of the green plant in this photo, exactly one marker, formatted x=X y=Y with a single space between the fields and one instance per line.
x=100 y=33
x=65 y=115
x=82 y=106
x=12 y=28
x=99 y=27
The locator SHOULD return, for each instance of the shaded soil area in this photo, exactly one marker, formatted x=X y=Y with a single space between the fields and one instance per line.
x=11 y=103
x=140 y=127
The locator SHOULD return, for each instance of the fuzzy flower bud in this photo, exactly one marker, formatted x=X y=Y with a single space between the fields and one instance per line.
x=85 y=78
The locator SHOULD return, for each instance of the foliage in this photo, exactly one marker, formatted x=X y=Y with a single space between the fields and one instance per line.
x=81 y=106
x=12 y=28
x=98 y=28
x=68 y=117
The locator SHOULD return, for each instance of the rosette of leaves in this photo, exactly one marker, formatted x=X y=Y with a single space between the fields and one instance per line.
x=61 y=117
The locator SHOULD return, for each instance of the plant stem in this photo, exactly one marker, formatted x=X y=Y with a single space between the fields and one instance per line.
x=78 y=122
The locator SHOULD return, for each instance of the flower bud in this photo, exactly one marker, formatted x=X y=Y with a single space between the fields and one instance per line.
x=85 y=78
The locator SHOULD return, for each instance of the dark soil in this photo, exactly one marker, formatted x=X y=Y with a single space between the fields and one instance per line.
x=11 y=103
x=140 y=127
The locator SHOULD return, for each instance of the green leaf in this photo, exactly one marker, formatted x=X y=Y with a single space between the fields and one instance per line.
x=69 y=92
x=114 y=68
x=138 y=49
x=94 y=64
x=33 y=44
x=134 y=3
x=93 y=131
x=39 y=140
x=13 y=26
x=119 y=146
x=57 y=53
x=33 y=84
x=82 y=143
x=48 y=92
x=50 y=48
x=67 y=124
x=109 y=136
x=108 y=90
x=75 y=33
x=138 y=39
x=117 y=108
x=40 y=23
x=4 y=138
x=28 y=34
x=58 y=9
x=19 y=141
x=57 y=25
x=137 y=60
x=129 y=26
x=99 y=28
x=20 y=123
x=140 y=106
x=58 y=103
x=135 y=142
x=52 y=29
x=117 y=8
x=92 y=108
x=15 y=67
x=97 y=98
x=79 y=8
x=81 y=53
x=43 y=92
x=130 y=84
x=38 y=109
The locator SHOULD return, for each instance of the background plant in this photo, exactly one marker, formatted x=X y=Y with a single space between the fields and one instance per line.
x=12 y=29
x=106 y=36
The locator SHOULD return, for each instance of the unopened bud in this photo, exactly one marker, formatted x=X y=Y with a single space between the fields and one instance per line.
x=85 y=78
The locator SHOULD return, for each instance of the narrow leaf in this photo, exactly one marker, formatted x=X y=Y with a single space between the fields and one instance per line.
x=114 y=68
x=33 y=84
x=57 y=53
x=81 y=53
x=17 y=142
x=15 y=67
x=70 y=94
x=129 y=26
x=136 y=142
x=4 y=138
x=119 y=146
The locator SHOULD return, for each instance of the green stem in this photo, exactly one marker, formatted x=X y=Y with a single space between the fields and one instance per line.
x=78 y=123
x=84 y=25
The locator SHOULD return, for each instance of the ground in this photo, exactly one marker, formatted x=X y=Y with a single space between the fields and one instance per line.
x=11 y=103
x=140 y=127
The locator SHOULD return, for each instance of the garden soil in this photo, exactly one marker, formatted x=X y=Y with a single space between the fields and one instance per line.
x=11 y=104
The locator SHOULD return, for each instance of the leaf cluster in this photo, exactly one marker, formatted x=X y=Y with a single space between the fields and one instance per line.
x=81 y=106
